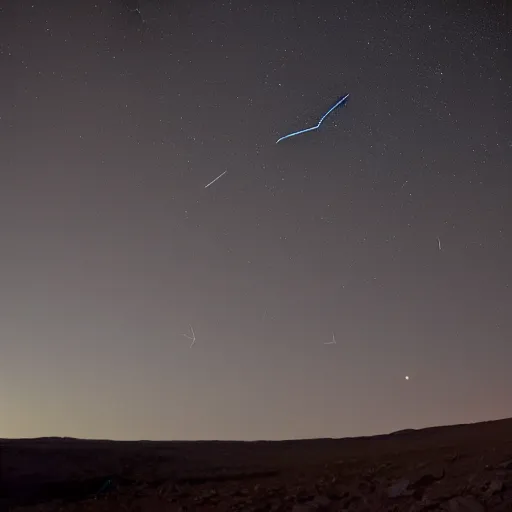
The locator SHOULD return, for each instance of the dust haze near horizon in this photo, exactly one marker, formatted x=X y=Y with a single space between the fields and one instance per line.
x=388 y=228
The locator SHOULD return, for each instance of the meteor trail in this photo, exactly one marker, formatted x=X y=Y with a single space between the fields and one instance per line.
x=193 y=337
x=313 y=128
x=218 y=177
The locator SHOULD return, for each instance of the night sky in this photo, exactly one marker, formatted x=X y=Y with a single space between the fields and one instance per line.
x=389 y=228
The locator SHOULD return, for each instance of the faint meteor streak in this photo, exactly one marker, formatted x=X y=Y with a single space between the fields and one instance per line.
x=218 y=177
x=333 y=342
x=193 y=337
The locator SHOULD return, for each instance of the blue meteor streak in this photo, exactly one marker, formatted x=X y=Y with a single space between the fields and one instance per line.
x=313 y=128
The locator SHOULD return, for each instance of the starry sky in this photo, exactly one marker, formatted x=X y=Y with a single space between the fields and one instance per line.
x=388 y=229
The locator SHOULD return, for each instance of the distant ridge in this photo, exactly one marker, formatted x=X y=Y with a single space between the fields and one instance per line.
x=506 y=423
x=403 y=431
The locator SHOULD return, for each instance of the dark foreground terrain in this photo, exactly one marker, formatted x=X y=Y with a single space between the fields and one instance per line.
x=463 y=468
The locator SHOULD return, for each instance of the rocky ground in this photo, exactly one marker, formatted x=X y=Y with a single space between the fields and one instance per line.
x=463 y=468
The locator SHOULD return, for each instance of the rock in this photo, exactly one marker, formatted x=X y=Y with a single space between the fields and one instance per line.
x=428 y=478
x=317 y=504
x=400 y=488
x=506 y=465
x=494 y=487
x=425 y=482
x=501 y=502
x=423 y=506
x=337 y=494
x=463 y=504
x=323 y=501
x=303 y=507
